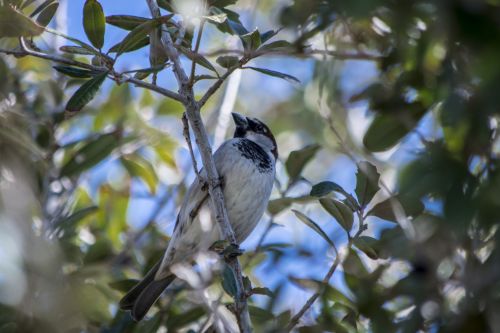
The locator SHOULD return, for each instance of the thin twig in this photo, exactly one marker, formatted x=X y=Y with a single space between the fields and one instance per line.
x=196 y=48
x=187 y=137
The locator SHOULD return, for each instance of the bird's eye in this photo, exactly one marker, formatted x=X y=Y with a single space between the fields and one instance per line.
x=260 y=128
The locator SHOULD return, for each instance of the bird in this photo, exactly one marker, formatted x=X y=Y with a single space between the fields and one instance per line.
x=246 y=164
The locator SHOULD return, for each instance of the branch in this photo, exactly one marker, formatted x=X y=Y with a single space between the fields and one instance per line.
x=196 y=48
x=218 y=206
x=187 y=137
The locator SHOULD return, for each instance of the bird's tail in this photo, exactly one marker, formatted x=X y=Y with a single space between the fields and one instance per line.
x=144 y=294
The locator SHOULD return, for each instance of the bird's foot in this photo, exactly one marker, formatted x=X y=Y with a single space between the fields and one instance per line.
x=205 y=183
x=226 y=249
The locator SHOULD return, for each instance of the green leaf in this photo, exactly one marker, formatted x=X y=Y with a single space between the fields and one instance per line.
x=262 y=291
x=367 y=178
x=231 y=25
x=75 y=50
x=411 y=204
x=222 y=3
x=170 y=107
x=187 y=317
x=340 y=211
x=309 y=284
x=15 y=24
x=89 y=155
x=264 y=37
x=251 y=41
x=72 y=220
x=41 y=7
x=139 y=167
x=47 y=14
x=259 y=315
x=136 y=37
x=74 y=72
x=269 y=72
x=277 y=205
x=204 y=77
x=100 y=250
x=384 y=132
x=311 y=224
x=229 y=281
x=136 y=45
x=123 y=285
x=198 y=58
x=279 y=45
x=85 y=93
x=127 y=22
x=325 y=188
x=335 y=295
x=94 y=22
x=74 y=40
x=298 y=160
x=227 y=61
x=367 y=245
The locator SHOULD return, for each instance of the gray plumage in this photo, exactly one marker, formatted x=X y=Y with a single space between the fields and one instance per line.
x=246 y=164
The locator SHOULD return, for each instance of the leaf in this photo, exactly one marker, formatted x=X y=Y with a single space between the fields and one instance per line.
x=227 y=61
x=298 y=160
x=89 y=155
x=367 y=178
x=139 y=167
x=41 y=7
x=136 y=36
x=218 y=18
x=326 y=187
x=259 y=315
x=74 y=72
x=47 y=14
x=279 y=45
x=100 y=250
x=309 y=284
x=169 y=107
x=229 y=281
x=94 y=22
x=85 y=93
x=384 y=132
x=367 y=245
x=204 y=77
x=251 y=41
x=72 y=220
x=176 y=322
x=311 y=224
x=264 y=37
x=123 y=285
x=269 y=72
x=198 y=58
x=340 y=211
x=262 y=291
x=74 y=40
x=411 y=204
x=138 y=44
x=231 y=25
x=15 y=24
x=75 y=50
x=277 y=205
x=335 y=295
x=127 y=22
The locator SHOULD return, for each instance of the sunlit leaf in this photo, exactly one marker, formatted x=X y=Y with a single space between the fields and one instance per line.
x=280 y=75
x=94 y=22
x=137 y=166
x=15 y=24
x=367 y=178
x=262 y=291
x=137 y=36
x=85 y=93
x=341 y=212
x=298 y=159
x=311 y=224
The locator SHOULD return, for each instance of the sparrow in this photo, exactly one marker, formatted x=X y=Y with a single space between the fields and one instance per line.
x=246 y=165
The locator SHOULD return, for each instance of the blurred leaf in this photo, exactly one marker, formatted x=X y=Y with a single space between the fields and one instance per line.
x=259 y=315
x=367 y=244
x=324 y=188
x=262 y=291
x=86 y=93
x=204 y=77
x=221 y=3
x=367 y=178
x=227 y=61
x=72 y=220
x=100 y=250
x=137 y=166
x=298 y=159
x=219 y=18
x=229 y=281
x=170 y=107
x=277 y=205
x=123 y=285
x=311 y=224
x=354 y=266
x=74 y=72
x=89 y=155
x=198 y=58
x=384 y=132
x=264 y=37
x=309 y=284
x=279 y=45
x=75 y=50
x=47 y=14
x=335 y=295
x=411 y=205
x=94 y=22
x=15 y=24
x=187 y=317
x=269 y=72
x=341 y=212
x=75 y=40
x=127 y=22
x=251 y=41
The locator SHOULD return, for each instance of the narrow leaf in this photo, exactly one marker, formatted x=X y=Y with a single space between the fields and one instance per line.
x=341 y=212
x=123 y=285
x=127 y=22
x=198 y=58
x=75 y=50
x=298 y=160
x=264 y=37
x=325 y=188
x=72 y=220
x=311 y=224
x=15 y=24
x=85 y=93
x=138 y=44
x=137 y=36
x=47 y=14
x=74 y=72
x=279 y=45
x=269 y=72
x=94 y=22
x=229 y=281
x=367 y=178
x=41 y=7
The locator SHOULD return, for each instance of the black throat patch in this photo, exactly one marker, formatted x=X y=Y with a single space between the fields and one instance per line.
x=252 y=151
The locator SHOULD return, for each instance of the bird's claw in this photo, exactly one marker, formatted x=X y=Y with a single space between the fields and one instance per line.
x=226 y=249
x=205 y=183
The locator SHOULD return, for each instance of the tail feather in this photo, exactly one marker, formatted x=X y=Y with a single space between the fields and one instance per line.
x=143 y=295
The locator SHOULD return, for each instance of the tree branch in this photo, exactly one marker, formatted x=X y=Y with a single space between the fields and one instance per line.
x=196 y=48
x=218 y=205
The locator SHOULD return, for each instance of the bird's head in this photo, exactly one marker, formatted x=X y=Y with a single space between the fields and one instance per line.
x=255 y=130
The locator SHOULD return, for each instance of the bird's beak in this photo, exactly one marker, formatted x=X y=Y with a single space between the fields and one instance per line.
x=239 y=120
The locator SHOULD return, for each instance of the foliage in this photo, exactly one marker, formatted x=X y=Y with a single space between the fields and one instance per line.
x=77 y=154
